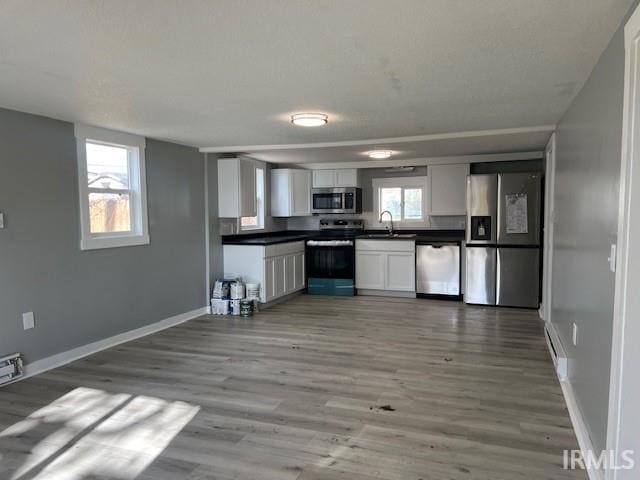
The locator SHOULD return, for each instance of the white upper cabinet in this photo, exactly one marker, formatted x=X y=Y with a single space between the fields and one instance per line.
x=344 y=177
x=448 y=190
x=236 y=188
x=290 y=192
x=323 y=178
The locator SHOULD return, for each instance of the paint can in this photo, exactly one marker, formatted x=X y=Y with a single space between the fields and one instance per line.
x=237 y=291
x=246 y=308
x=219 y=306
x=253 y=290
x=235 y=307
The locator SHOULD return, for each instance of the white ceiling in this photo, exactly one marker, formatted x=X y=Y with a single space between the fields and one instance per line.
x=224 y=73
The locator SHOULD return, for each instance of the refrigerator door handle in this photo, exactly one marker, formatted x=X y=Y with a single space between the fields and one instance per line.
x=498 y=276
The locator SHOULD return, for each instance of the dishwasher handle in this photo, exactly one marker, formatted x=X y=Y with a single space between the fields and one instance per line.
x=437 y=244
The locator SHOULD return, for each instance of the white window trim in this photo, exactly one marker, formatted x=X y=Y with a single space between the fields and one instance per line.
x=401 y=182
x=263 y=214
x=140 y=234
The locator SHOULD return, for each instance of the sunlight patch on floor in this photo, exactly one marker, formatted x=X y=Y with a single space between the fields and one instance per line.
x=91 y=432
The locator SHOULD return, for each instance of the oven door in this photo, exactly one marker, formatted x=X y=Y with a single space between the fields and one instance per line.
x=330 y=259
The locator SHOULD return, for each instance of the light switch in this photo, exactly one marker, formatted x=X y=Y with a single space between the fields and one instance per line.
x=1 y=220
x=575 y=334
x=28 y=320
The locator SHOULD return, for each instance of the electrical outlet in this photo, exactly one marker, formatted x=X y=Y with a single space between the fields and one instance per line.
x=28 y=320
x=575 y=334
x=1 y=220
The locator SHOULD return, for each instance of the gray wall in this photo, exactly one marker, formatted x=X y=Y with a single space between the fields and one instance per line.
x=586 y=205
x=82 y=296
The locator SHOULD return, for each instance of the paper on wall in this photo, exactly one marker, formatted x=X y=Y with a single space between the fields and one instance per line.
x=516 y=213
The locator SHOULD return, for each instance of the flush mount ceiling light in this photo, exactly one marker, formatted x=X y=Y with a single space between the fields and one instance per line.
x=380 y=154
x=309 y=119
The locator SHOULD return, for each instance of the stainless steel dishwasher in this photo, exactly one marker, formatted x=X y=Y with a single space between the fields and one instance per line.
x=438 y=270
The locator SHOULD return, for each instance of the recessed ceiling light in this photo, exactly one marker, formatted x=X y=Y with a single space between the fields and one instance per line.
x=309 y=119
x=379 y=154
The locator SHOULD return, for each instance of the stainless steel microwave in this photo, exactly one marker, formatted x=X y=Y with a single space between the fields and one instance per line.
x=336 y=200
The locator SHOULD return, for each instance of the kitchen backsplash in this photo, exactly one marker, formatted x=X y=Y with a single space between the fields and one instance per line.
x=371 y=222
x=229 y=226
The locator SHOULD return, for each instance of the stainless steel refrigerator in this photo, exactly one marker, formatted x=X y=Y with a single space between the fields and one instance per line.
x=503 y=239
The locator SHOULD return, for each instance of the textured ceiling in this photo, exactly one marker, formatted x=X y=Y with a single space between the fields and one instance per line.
x=213 y=73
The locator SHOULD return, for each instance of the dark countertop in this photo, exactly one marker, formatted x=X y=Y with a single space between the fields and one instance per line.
x=264 y=238
x=427 y=236
x=272 y=238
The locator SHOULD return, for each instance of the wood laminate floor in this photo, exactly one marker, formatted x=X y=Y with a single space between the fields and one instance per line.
x=363 y=388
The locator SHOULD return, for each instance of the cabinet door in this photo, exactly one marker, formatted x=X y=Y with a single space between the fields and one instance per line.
x=247 y=188
x=280 y=276
x=370 y=270
x=228 y=184
x=289 y=273
x=347 y=177
x=448 y=189
x=300 y=192
x=298 y=268
x=400 y=271
x=323 y=178
x=280 y=192
x=269 y=286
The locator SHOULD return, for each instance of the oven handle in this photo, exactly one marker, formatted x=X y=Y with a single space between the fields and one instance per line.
x=329 y=243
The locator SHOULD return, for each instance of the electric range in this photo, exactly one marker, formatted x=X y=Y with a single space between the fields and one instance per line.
x=330 y=257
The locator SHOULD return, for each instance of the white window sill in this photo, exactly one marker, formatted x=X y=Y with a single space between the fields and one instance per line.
x=113 y=242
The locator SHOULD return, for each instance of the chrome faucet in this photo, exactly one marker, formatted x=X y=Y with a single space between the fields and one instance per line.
x=390 y=227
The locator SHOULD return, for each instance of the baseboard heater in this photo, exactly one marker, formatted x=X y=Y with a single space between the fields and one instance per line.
x=557 y=352
x=11 y=368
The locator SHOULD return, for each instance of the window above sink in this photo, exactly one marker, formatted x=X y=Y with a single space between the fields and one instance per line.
x=405 y=198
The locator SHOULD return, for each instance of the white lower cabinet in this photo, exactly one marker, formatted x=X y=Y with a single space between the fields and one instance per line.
x=298 y=271
x=386 y=265
x=279 y=269
x=400 y=271
x=280 y=276
x=370 y=270
x=268 y=289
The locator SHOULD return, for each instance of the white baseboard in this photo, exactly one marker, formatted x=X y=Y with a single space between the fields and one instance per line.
x=580 y=427
x=556 y=350
x=561 y=362
x=59 y=359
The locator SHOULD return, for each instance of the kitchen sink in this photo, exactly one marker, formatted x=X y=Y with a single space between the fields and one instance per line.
x=386 y=236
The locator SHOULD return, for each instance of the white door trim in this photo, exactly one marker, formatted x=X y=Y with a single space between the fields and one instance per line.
x=625 y=308
x=549 y=219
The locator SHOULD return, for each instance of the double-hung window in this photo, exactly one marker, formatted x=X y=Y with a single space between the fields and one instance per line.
x=112 y=186
x=405 y=198
x=256 y=222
